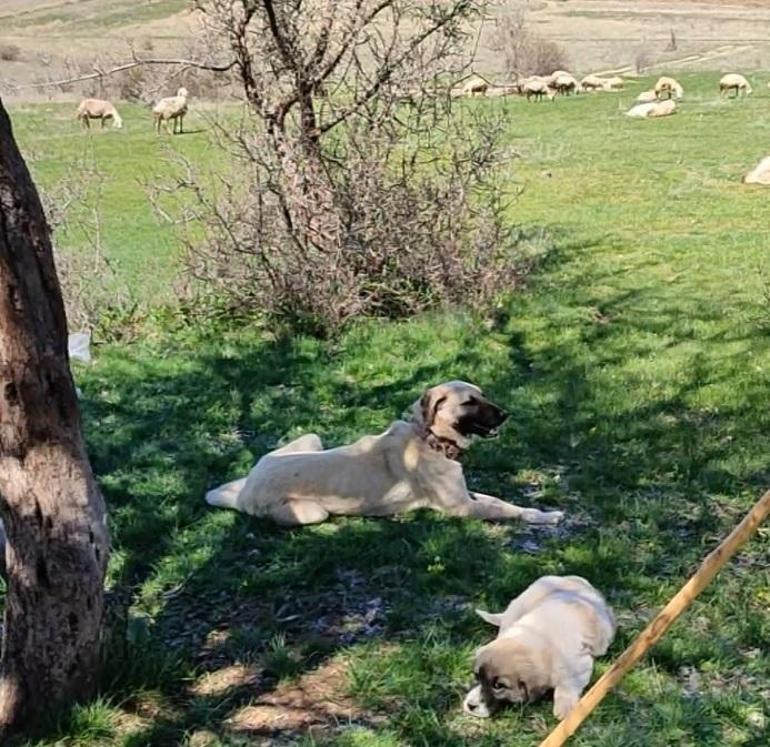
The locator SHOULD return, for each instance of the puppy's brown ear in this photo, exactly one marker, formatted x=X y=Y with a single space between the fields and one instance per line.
x=425 y=409
x=429 y=404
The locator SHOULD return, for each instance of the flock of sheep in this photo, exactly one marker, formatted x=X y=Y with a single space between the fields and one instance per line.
x=659 y=101
x=172 y=108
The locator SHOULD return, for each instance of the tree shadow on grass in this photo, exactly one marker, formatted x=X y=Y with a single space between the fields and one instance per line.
x=589 y=433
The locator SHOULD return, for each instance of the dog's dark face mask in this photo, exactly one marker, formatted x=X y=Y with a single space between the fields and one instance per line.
x=505 y=675
x=479 y=417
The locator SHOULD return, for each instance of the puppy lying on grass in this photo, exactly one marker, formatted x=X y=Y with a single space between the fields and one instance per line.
x=547 y=640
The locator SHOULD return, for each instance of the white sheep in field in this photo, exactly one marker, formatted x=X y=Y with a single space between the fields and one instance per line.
x=554 y=75
x=669 y=86
x=97 y=109
x=593 y=83
x=498 y=91
x=538 y=88
x=760 y=174
x=564 y=83
x=652 y=109
x=615 y=83
x=173 y=108
x=734 y=82
x=646 y=97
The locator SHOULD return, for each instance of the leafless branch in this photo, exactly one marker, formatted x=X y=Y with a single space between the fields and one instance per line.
x=98 y=73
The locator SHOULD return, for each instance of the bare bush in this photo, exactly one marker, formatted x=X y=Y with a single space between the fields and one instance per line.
x=9 y=52
x=642 y=60
x=525 y=53
x=90 y=286
x=421 y=227
x=359 y=191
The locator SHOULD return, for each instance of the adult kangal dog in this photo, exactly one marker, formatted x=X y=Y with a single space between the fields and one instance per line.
x=547 y=639
x=411 y=465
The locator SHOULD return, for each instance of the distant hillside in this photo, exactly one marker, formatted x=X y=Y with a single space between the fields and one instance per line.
x=39 y=38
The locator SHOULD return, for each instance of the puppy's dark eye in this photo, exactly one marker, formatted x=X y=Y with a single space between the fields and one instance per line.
x=498 y=684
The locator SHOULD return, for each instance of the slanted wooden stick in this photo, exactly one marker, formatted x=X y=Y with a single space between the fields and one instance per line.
x=661 y=623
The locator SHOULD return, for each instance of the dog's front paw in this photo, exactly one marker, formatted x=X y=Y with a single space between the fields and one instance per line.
x=563 y=703
x=533 y=516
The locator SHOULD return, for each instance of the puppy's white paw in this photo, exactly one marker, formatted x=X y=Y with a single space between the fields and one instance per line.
x=533 y=516
x=563 y=704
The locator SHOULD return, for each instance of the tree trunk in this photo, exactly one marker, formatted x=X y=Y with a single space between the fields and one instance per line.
x=53 y=512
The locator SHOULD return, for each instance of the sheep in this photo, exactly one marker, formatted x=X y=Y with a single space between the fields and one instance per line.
x=760 y=174
x=173 y=108
x=475 y=85
x=97 y=109
x=593 y=83
x=555 y=74
x=497 y=91
x=734 y=82
x=668 y=86
x=646 y=97
x=564 y=84
x=614 y=83
x=537 y=88
x=652 y=109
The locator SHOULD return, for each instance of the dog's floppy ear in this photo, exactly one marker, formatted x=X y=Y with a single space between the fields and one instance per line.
x=491 y=617
x=429 y=404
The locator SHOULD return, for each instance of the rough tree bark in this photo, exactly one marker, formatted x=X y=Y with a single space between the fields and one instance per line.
x=53 y=512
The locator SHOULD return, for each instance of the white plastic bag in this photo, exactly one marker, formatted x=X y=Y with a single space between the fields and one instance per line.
x=79 y=347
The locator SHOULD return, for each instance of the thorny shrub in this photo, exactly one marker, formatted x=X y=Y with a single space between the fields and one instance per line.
x=419 y=223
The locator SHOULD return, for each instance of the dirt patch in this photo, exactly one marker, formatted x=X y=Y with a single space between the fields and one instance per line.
x=220 y=681
x=317 y=699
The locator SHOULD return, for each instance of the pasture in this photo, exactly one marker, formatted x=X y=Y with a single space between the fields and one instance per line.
x=636 y=366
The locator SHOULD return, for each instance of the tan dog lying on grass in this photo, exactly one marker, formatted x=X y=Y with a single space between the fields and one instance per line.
x=411 y=465
x=547 y=640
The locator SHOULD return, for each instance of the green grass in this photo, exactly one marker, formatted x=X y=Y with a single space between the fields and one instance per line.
x=118 y=166
x=636 y=368
x=96 y=14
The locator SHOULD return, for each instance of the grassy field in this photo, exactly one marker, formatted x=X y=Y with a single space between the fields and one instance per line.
x=636 y=366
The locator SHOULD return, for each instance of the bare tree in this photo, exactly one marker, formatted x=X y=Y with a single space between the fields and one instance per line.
x=363 y=185
x=51 y=507
x=672 y=45
x=525 y=53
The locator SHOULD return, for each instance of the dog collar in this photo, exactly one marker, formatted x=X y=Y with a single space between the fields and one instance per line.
x=450 y=449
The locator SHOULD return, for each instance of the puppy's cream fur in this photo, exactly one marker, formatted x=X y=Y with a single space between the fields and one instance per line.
x=547 y=640
x=411 y=465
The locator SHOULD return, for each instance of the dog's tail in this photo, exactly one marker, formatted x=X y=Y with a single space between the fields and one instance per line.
x=226 y=496
x=491 y=617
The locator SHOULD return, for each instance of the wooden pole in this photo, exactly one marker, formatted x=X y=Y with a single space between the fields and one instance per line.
x=661 y=623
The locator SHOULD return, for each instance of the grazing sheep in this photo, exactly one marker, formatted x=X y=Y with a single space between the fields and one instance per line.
x=173 y=108
x=652 y=109
x=734 y=82
x=497 y=91
x=564 y=84
x=760 y=174
x=592 y=83
x=538 y=89
x=97 y=109
x=615 y=83
x=474 y=85
x=555 y=74
x=646 y=97
x=670 y=87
